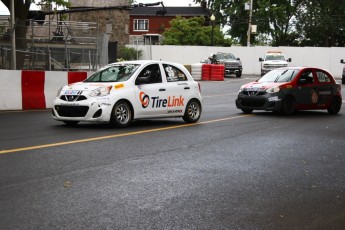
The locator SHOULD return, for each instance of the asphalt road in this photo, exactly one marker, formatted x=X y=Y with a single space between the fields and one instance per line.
x=228 y=171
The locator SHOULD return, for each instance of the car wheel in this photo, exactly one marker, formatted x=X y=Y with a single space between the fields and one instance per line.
x=193 y=112
x=121 y=114
x=238 y=74
x=343 y=80
x=71 y=123
x=335 y=106
x=288 y=106
x=247 y=110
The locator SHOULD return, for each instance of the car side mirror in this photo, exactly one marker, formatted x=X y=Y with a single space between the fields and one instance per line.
x=238 y=58
x=289 y=59
x=260 y=60
x=342 y=61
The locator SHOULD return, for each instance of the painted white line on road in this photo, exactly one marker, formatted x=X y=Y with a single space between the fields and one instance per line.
x=116 y=135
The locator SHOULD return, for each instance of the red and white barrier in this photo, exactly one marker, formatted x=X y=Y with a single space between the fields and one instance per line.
x=25 y=89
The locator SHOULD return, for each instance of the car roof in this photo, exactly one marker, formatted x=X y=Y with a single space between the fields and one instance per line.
x=302 y=67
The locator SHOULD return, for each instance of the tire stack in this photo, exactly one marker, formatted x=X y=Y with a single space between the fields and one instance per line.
x=196 y=71
x=206 y=72
x=217 y=72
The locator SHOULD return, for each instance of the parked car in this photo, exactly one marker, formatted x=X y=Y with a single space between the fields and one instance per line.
x=273 y=60
x=124 y=91
x=291 y=88
x=343 y=75
x=232 y=64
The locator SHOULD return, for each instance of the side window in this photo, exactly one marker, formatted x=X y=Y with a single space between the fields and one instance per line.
x=174 y=74
x=306 y=77
x=322 y=77
x=149 y=75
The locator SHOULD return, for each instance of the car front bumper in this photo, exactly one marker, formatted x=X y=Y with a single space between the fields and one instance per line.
x=229 y=71
x=92 y=110
x=267 y=101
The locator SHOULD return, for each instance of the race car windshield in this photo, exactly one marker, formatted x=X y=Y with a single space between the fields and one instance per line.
x=281 y=75
x=115 y=73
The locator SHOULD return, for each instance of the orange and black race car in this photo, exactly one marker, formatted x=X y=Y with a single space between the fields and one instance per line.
x=288 y=89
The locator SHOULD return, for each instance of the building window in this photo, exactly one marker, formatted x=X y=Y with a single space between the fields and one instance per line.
x=141 y=24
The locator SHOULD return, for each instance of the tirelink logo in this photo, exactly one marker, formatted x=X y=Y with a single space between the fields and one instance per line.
x=156 y=102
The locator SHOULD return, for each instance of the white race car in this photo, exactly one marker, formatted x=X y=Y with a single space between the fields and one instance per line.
x=123 y=91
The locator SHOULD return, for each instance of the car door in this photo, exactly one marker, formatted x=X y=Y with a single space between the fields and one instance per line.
x=179 y=89
x=306 y=94
x=150 y=93
x=324 y=88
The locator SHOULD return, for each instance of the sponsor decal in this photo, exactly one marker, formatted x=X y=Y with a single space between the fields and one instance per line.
x=175 y=111
x=72 y=92
x=270 y=99
x=157 y=102
x=314 y=96
x=119 y=86
x=325 y=93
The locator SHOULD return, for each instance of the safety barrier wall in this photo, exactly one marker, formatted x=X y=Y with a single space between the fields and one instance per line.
x=27 y=90
x=324 y=57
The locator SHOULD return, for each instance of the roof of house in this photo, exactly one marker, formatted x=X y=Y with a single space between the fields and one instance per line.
x=171 y=11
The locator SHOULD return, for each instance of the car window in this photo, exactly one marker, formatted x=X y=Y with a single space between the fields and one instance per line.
x=151 y=74
x=279 y=75
x=115 y=73
x=174 y=74
x=275 y=58
x=322 y=77
x=306 y=77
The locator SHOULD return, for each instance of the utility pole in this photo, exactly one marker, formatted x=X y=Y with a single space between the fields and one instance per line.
x=13 y=38
x=250 y=22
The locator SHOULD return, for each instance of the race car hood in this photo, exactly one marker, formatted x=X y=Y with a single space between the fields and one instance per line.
x=262 y=85
x=83 y=86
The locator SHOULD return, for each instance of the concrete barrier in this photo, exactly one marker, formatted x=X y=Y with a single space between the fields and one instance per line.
x=27 y=90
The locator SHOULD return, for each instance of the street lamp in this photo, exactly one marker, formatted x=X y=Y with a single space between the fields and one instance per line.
x=212 y=18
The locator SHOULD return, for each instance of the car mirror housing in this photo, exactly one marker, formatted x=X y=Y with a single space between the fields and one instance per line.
x=260 y=60
x=342 y=61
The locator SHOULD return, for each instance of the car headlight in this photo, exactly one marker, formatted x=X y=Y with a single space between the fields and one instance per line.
x=274 y=89
x=100 y=92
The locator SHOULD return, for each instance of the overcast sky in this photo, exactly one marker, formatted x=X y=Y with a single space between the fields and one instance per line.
x=4 y=11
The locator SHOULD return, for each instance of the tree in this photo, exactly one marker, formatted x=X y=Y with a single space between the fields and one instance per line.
x=321 y=23
x=284 y=22
x=21 y=11
x=274 y=19
x=193 y=31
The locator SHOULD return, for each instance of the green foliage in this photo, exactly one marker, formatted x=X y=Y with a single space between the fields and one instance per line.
x=193 y=31
x=127 y=54
x=284 y=22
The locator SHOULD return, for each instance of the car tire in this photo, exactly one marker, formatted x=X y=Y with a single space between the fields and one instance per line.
x=71 y=123
x=288 y=105
x=343 y=80
x=247 y=111
x=121 y=115
x=193 y=111
x=335 y=105
x=238 y=75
